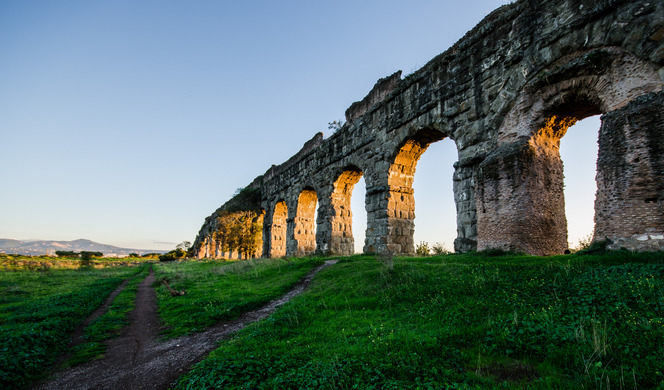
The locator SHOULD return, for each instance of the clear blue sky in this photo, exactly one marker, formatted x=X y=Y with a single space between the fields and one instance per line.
x=129 y=122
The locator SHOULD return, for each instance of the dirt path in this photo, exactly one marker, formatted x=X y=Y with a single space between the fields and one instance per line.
x=137 y=360
x=78 y=336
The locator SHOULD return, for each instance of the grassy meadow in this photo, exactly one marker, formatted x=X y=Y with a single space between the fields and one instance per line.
x=40 y=308
x=217 y=291
x=471 y=321
x=458 y=321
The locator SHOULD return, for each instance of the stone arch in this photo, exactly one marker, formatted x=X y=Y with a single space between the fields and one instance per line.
x=520 y=200
x=305 y=222
x=579 y=85
x=278 y=230
x=401 y=200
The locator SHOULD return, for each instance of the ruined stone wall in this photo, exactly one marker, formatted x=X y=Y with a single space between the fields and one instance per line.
x=505 y=93
x=630 y=195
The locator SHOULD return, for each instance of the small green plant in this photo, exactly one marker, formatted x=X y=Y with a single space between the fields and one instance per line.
x=583 y=243
x=422 y=249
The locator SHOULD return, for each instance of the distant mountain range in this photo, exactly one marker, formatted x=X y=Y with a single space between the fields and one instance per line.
x=45 y=247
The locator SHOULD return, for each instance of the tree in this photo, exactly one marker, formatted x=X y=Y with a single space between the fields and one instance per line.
x=335 y=125
x=66 y=254
x=422 y=249
x=134 y=255
x=185 y=245
x=86 y=255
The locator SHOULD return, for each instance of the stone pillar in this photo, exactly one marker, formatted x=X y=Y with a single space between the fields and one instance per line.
x=324 y=222
x=464 y=198
x=291 y=243
x=629 y=207
x=217 y=249
x=377 y=220
x=267 y=232
x=202 y=250
x=520 y=200
x=401 y=218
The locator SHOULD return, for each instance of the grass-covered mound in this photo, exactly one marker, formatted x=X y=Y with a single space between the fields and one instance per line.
x=458 y=321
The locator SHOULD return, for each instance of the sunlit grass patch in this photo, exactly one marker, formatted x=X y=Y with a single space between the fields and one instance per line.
x=458 y=321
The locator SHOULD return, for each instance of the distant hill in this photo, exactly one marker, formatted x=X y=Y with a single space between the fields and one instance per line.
x=45 y=247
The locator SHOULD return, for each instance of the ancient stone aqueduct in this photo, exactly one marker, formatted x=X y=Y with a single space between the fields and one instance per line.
x=506 y=94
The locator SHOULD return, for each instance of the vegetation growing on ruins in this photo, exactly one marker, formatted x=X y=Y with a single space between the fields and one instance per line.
x=248 y=198
x=222 y=291
x=240 y=232
x=458 y=321
x=39 y=311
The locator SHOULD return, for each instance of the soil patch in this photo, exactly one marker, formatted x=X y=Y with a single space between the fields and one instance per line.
x=78 y=336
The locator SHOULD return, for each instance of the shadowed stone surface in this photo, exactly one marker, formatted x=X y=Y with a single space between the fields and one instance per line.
x=506 y=94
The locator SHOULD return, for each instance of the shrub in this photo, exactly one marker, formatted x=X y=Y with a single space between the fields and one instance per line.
x=439 y=249
x=595 y=248
x=422 y=249
x=583 y=243
x=175 y=254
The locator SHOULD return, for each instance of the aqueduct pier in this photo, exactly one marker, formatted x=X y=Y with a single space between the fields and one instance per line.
x=505 y=94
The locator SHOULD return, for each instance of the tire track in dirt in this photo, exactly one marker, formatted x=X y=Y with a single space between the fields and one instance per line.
x=138 y=360
x=78 y=336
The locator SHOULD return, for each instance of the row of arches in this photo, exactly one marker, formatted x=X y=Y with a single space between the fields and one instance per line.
x=436 y=218
x=509 y=189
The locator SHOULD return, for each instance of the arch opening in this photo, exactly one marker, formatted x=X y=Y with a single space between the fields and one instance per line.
x=305 y=222
x=278 y=230
x=520 y=200
x=433 y=191
x=578 y=151
x=358 y=207
x=549 y=213
x=341 y=220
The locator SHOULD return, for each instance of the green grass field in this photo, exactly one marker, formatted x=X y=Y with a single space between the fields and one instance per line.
x=40 y=309
x=218 y=291
x=458 y=321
